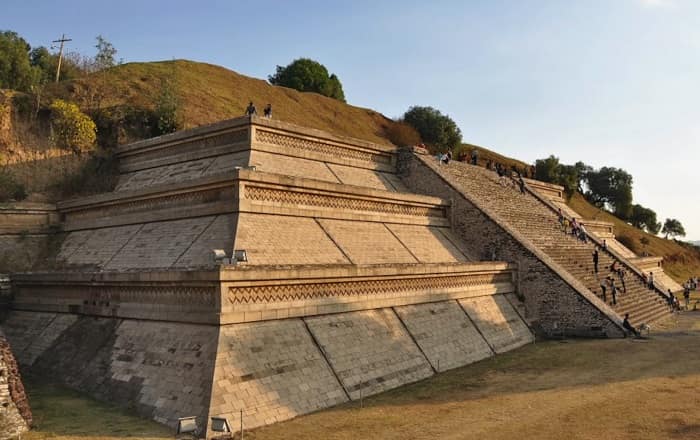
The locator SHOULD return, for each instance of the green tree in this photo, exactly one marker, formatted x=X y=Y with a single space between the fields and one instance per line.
x=307 y=75
x=644 y=218
x=547 y=169
x=105 y=54
x=673 y=228
x=15 y=70
x=568 y=176
x=436 y=129
x=167 y=109
x=611 y=188
x=47 y=62
x=71 y=129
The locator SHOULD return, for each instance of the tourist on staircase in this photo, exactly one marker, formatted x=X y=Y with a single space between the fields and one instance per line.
x=627 y=326
x=595 y=260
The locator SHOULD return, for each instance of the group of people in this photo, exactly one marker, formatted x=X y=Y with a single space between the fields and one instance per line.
x=572 y=227
x=251 y=110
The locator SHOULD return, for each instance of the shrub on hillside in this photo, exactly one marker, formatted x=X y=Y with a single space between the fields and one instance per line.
x=402 y=135
x=98 y=174
x=167 y=111
x=10 y=188
x=307 y=75
x=71 y=129
x=436 y=129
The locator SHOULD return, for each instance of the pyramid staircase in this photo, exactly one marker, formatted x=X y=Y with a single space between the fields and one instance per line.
x=536 y=219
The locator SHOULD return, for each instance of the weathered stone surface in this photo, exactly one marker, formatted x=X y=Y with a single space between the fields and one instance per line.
x=445 y=334
x=15 y=415
x=498 y=322
x=370 y=351
x=272 y=371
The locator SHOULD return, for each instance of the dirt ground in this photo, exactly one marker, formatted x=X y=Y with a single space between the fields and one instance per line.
x=572 y=389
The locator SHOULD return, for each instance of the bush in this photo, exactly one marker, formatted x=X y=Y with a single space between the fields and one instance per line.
x=167 y=110
x=10 y=188
x=307 y=75
x=98 y=174
x=436 y=129
x=402 y=135
x=71 y=129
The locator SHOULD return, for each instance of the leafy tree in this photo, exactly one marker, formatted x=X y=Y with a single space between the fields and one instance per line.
x=307 y=75
x=644 y=218
x=611 y=188
x=105 y=54
x=434 y=128
x=547 y=169
x=15 y=70
x=568 y=176
x=167 y=109
x=673 y=228
x=47 y=62
x=71 y=129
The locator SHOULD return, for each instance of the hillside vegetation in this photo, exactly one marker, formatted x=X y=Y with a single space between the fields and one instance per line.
x=208 y=93
x=122 y=100
x=681 y=260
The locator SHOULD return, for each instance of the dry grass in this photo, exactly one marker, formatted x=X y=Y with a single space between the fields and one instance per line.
x=211 y=93
x=577 y=389
x=680 y=262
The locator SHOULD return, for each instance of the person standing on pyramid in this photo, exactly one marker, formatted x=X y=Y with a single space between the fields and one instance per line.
x=251 y=110
x=595 y=260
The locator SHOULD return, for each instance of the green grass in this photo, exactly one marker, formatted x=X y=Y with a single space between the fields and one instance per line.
x=62 y=414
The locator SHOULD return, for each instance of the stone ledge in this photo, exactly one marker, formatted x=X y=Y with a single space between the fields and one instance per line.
x=255 y=192
x=272 y=292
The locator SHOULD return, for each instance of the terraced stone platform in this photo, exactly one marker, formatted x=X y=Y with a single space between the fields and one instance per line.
x=350 y=285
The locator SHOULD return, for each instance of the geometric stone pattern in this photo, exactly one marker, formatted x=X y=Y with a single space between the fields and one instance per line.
x=271 y=239
x=252 y=192
x=427 y=244
x=367 y=243
x=370 y=351
x=445 y=334
x=314 y=146
x=498 y=322
x=287 y=292
x=272 y=371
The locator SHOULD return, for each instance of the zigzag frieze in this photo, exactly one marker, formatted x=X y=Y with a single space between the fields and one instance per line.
x=294 y=292
x=151 y=204
x=252 y=192
x=282 y=140
x=102 y=295
x=197 y=144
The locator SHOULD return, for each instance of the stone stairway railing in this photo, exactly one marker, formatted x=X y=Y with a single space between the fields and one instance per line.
x=618 y=256
x=533 y=217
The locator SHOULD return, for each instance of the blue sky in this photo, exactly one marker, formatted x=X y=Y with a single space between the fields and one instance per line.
x=609 y=82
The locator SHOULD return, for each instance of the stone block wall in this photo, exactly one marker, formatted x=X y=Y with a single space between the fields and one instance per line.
x=271 y=370
x=553 y=305
x=15 y=415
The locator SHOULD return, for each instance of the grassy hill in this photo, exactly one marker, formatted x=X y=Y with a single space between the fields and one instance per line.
x=209 y=93
x=121 y=98
x=681 y=260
